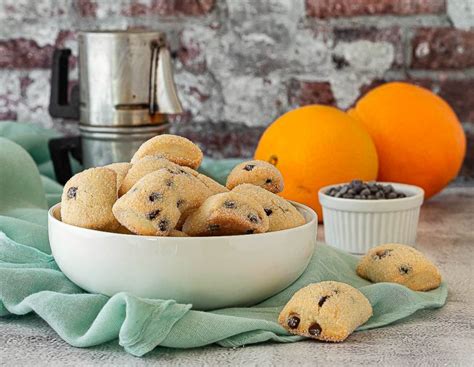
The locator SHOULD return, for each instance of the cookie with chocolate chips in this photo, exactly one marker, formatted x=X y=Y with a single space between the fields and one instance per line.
x=258 y=173
x=154 y=205
x=281 y=214
x=328 y=311
x=212 y=185
x=175 y=148
x=402 y=264
x=144 y=166
x=227 y=214
x=120 y=169
x=88 y=198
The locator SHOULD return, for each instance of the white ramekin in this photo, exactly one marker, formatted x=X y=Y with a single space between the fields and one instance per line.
x=358 y=225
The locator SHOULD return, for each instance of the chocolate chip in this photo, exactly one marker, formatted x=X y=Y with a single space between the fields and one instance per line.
x=293 y=322
x=387 y=189
x=169 y=183
x=360 y=190
x=155 y=196
x=392 y=195
x=180 y=202
x=253 y=218
x=163 y=225
x=71 y=193
x=322 y=300
x=250 y=231
x=381 y=254
x=249 y=167
x=315 y=329
x=268 y=181
x=214 y=227
x=229 y=204
x=268 y=212
x=152 y=215
x=404 y=269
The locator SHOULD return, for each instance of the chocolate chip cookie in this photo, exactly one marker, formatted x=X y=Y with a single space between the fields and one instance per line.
x=212 y=185
x=328 y=311
x=88 y=198
x=227 y=214
x=259 y=173
x=281 y=214
x=151 y=207
x=175 y=148
x=142 y=167
x=120 y=169
x=402 y=264
x=176 y=233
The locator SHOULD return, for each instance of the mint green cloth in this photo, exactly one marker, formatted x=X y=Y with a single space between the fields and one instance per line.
x=30 y=280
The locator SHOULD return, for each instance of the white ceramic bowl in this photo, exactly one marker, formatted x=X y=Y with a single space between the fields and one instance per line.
x=209 y=272
x=358 y=225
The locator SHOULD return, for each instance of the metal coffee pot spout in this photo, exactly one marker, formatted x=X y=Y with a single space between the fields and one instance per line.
x=163 y=96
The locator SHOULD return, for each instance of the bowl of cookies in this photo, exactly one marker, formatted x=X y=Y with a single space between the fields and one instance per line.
x=157 y=228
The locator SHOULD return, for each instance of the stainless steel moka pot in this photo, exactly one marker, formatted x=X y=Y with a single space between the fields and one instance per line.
x=126 y=91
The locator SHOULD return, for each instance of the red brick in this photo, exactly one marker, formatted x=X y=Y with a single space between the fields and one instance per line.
x=442 y=48
x=8 y=114
x=302 y=93
x=221 y=140
x=190 y=54
x=391 y=35
x=86 y=8
x=170 y=8
x=23 y=53
x=467 y=170
x=324 y=9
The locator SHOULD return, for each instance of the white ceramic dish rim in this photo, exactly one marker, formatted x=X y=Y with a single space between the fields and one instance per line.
x=312 y=214
x=415 y=198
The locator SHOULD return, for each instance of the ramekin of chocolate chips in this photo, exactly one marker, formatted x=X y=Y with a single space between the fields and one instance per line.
x=359 y=215
x=360 y=190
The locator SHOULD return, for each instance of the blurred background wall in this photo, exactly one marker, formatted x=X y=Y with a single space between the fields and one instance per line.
x=241 y=63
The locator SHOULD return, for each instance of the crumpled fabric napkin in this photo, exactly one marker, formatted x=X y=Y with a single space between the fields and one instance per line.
x=30 y=280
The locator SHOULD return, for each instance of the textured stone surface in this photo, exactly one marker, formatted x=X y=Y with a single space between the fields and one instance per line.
x=349 y=8
x=443 y=48
x=241 y=63
x=461 y=13
x=428 y=338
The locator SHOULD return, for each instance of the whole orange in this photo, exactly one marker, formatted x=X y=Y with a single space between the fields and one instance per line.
x=418 y=137
x=315 y=146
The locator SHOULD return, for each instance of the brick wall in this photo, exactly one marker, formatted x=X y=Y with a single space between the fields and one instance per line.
x=241 y=63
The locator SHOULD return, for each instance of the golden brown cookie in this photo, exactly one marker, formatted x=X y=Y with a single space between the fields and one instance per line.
x=212 y=185
x=226 y=214
x=88 y=198
x=175 y=148
x=142 y=167
x=281 y=214
x=120 y=169
x=151 y=206
x=328 y=311
x=402 y=264
x=259 y=173
x=176 y=233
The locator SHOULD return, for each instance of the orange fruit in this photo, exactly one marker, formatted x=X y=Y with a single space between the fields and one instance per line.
x=418 y=137
x=315 y=146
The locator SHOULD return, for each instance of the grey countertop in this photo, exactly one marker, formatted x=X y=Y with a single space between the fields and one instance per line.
x=440 y=337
